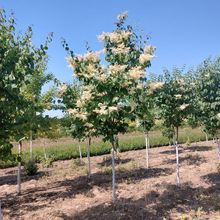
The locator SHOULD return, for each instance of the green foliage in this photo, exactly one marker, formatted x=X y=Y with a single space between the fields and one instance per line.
x=20 y=65
x=174 y=101
x=208 y=95
x=48 y=161
x=30 y=167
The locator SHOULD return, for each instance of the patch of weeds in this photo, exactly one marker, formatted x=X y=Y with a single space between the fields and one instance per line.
x=48 y=161
x=78 y=163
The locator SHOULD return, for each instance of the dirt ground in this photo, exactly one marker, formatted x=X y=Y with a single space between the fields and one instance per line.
x=64 y=191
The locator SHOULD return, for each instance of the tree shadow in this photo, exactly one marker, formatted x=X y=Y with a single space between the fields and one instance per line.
x=171 y=151
x=189 y=159
x=181 y=199
x=107 y=161
x=12 y=178
x=213 y=178
x=71 y=187
x=199 y=148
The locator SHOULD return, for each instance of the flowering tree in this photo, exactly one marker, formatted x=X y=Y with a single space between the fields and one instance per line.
x=74 y=99
x=145 y=112
x=174 y=101
x=108 y=91
x=208 y=97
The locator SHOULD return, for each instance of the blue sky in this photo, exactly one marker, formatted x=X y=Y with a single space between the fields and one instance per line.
x=184 y=31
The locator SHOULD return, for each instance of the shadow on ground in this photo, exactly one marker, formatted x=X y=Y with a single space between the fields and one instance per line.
x=188 y=159
x=198 y=202
x=71 y=187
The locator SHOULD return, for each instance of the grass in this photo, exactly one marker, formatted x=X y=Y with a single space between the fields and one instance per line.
x=128 y=141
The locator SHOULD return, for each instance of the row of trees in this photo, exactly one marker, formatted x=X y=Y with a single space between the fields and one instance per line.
x=105 y=98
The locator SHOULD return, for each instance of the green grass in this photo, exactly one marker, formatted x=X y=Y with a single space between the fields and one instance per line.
x=129 y=141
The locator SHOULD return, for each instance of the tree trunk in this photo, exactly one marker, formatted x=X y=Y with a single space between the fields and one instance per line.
x=31 y=145
x=45 y=154
x=146 y=135
x=218 y=144
x=80 y=153
x=1 y=214
x=177 y=165
x=88 y=156
x=19 y=168
x=177 y=156
x=206 y=137
x=113 y=173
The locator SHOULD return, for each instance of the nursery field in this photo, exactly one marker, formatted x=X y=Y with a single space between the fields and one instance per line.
x=67 y=148
x=64 y=191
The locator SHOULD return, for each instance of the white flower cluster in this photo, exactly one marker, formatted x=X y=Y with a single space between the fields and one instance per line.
x=178 y=96
x=114 y=69
x=105 y=110
x=62 y=89
x=78 y=114
x=121 y=49
x=122 y=16
x=183 y=106
x=115 y=37
x=136 y=72
x=155 y=86
x=148 y=55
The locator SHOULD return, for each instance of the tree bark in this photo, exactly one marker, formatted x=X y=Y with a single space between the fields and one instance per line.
x=177 y=156
x=206 y=137
x=113 y=173
x=218 y=144
x=45 y=154
x=31 y=145
x=80 y=153
x=1 y=214
x=88 y=156
x=19 y=168
x=146 y=135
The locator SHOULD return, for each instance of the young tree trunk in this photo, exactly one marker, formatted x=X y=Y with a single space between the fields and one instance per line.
x=80 y=153
x=88 y=156
x=177 y=165
x=1 y=214
x=177 y=157
x=113 y=173
x=45 y=154
x=31 y=145
x=19 y=168
x=206 y=137
x=146 y=136
x=218 y=144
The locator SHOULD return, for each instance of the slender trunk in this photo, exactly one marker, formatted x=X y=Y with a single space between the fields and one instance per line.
x=88 y=156
x=113 y=173
x=146 y=135
x=80 y=153
x=206 y=137
x=19 y=168
x=177 y=156
x=45 y=154
x=1 y=214
x=177 y=134
x=177 y=165
x=218 y=144
x=31 y=145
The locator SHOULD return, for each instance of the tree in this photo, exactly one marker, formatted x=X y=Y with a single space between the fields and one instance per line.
x=108 y=92
x=18 y=59
x=208 y=97
x=80 y=127
x=145 y=113
x=174 y=101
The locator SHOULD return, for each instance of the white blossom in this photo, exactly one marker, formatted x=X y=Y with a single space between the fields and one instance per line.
x=183 y=106
x=155 y=86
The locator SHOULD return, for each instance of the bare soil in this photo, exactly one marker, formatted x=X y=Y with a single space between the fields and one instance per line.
x=64 y=191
